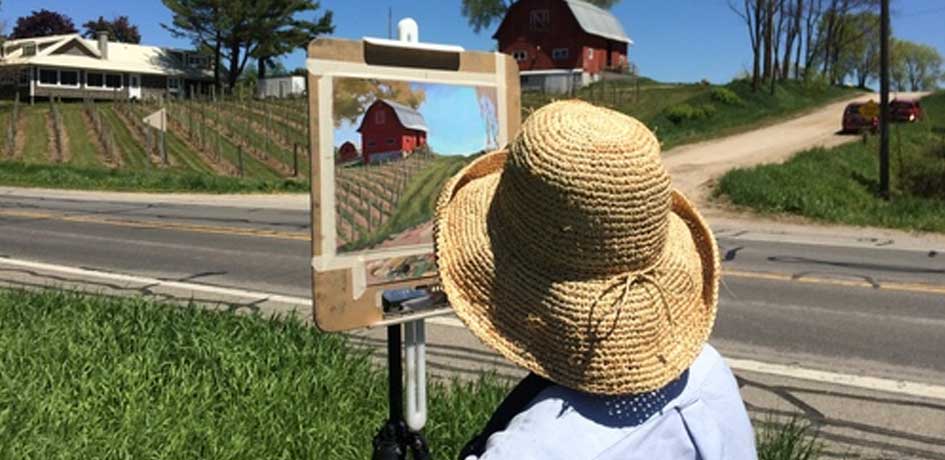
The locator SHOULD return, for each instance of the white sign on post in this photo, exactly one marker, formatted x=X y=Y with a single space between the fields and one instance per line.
x=157 y=120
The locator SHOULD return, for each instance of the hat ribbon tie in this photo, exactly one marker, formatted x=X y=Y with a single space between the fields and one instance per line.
x=630 y=281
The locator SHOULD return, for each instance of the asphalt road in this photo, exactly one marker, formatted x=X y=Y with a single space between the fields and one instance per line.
x=876 y=310
x=857 y=303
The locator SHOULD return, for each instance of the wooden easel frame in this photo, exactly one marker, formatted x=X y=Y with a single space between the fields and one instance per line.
x=341 y=298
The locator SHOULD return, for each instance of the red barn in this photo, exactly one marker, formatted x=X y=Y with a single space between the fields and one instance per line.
x=569 y=39
x=347 y=153
x=390 y=131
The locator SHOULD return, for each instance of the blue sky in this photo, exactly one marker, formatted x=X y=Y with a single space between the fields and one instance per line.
x=452 y=116
x=676 y=40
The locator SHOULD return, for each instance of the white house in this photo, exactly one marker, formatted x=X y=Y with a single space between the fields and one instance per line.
x=70 y=66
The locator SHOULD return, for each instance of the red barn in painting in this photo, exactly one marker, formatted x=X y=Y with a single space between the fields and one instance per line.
x=347 y=152
x=390 y=131
x=569 y=41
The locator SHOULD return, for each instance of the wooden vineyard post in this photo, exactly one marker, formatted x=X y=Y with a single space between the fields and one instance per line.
x=56 y=141
x=268 y=126
x=11 y=129
x=148 y=147
x=239 y=156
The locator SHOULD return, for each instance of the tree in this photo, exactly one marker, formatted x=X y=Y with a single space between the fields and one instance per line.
x=482 y=13
x=752 y=13
x=200 y=22
x=860 y=56
x=283 y=33
x=119 y=29
x=914 y=66
x=41 y=23
x=352 y=96
x=237 y=30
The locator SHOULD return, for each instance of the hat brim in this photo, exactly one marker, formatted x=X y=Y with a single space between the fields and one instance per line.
x=600 y=334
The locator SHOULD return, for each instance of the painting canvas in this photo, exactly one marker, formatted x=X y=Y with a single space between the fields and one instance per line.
x=396 y=144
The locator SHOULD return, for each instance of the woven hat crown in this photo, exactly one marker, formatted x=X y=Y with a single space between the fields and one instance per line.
x=584 y=191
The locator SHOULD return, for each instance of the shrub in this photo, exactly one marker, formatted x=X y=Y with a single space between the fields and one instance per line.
x=684 y=112
x=817 y=83
x=705 y=111
x=680 y=113
x=726 y=96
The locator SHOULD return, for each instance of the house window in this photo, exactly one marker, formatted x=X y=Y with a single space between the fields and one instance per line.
x=69 y=77
x=103 y=80
x=520 y=55
x=379 y=117
x=590 y=54
x=57 y=77
x=197 y=60
x=25 y=76
x=48 y=76
x=94 y=80
x=539 y=20
x=371 y=143
x=559 y=54
x=29 y=49
x=173 y=84
x=113 y=81
x=390 y=141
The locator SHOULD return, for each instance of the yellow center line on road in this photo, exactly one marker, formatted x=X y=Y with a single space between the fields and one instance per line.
x=880 y=285
x=305 y=236
x=177 y=226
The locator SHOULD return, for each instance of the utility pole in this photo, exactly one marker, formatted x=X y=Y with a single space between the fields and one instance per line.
x=390 y=23
x=884 y=101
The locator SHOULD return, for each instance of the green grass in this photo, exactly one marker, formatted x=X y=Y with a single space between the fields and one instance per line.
x=719 y=117
x=841 y=184
x=133 y=156
x=93 y=377
x=252 y=167
x=177 y=150
x=81 y=148
x=72 y=177
x=794 y=439
x=99 y=377
x=418 y=202
x=37 y=145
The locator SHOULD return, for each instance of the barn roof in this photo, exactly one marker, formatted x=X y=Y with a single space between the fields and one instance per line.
x=591 y=19
x=409 y=117
x=597 y=21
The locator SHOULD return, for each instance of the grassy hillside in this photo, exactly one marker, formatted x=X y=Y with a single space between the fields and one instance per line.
x=684 y=113
x=841 y=184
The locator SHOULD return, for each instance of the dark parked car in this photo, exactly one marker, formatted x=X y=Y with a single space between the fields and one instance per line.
x=855 y=122
x=905 y=110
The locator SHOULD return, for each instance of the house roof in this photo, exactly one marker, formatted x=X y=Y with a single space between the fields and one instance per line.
x=598 y=21
x=122 y=57
x=409 y=117
x=592 y=19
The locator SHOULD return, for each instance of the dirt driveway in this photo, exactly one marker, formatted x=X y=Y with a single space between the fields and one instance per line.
x=695 y=166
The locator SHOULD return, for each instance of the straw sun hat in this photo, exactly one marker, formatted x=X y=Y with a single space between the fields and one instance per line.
x=572 y=256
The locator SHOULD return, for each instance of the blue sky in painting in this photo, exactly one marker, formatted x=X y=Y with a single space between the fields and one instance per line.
x=453 y=118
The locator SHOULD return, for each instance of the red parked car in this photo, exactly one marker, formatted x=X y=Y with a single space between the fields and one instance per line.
x=854 y=122
x=905 y=110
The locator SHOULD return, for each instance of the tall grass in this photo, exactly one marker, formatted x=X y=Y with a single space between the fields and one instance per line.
x=794 y=439
x=90 y=377
x=86 y=377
